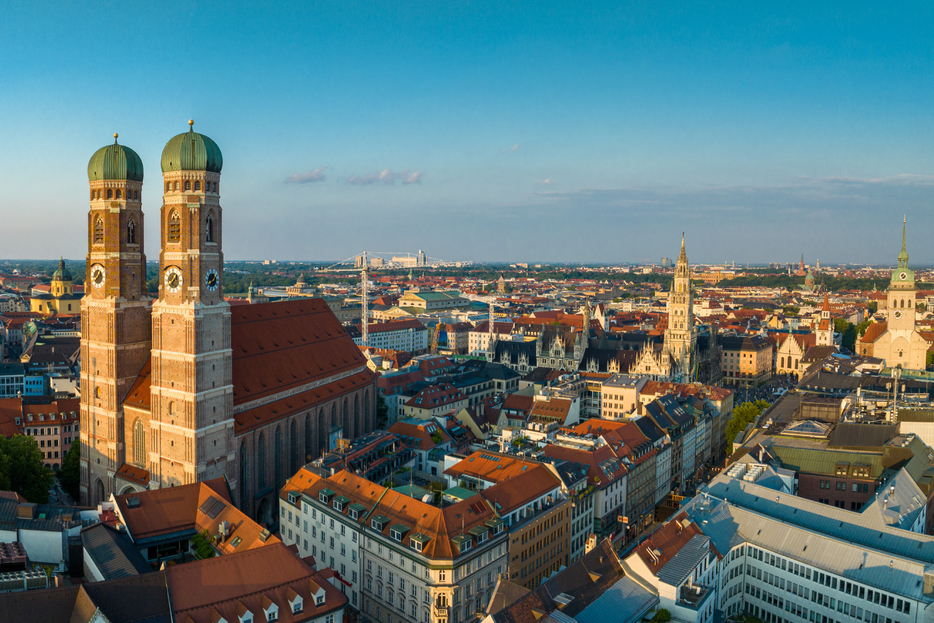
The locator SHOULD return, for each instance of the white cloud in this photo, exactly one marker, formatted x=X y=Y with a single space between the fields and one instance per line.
x=386 y=176
x=513 y=148
x=309 y=176
x=546 y=182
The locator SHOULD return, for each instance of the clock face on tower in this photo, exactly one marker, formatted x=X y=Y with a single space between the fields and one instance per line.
x=898 y=313
x=173 y=279
x=903 y=275
x=97 y=275
x=211 y=280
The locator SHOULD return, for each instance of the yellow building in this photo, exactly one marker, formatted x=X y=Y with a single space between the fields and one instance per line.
x=61 y=298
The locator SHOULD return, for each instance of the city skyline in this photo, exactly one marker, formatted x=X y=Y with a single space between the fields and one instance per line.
x=534 y=133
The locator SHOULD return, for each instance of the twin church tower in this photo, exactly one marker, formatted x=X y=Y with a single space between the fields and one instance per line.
x=156 y=376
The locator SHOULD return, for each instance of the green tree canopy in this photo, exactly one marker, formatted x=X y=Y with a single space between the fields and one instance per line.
x=743 y=416
x=22 y=468
x=68 y=475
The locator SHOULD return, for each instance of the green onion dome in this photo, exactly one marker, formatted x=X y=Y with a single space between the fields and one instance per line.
x=115 y=162
x=191 y=151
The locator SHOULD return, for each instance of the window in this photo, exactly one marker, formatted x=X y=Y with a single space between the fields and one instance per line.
x=197 y=185
x=131 y=232
x=175 y=227
x=209 y=228
x=99 y=230
x=187 y=184
x=110 y=193
x=139 y=443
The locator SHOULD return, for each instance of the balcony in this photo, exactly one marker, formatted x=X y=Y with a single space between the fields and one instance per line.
x=439 y=611
x=693 y=596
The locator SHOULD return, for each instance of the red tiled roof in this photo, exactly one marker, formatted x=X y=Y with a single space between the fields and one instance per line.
x=556 y=408
x=283 y=345
x=133 y=473
x=163 y=511
x=248 y=581
x=440 y=525
x=669 y=539
x=874 y=331
x=279 y=347
x=496 y=469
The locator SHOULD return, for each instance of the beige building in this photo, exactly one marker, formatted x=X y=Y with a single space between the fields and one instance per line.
x=747 y=359
x=61 y=298
x=791 y=348
x=898 y=341
x=620 y=395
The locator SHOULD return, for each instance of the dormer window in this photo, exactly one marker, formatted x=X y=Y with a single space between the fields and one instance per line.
x=295 y=601
x=270 y=609
x=319 y=601
x=379 y=522
x=397 y=532
x=340 y=502
x=325 y=495
x=355 y=510
x=243 y=615
x=418 y=541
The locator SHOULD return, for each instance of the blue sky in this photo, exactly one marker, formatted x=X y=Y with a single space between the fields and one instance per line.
x=536 y=131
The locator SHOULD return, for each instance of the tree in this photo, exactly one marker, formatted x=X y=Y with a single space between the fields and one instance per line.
x=382 y=410
x=873 y=307
x=23 y=469
x=743 y=415
x=662 y=616
x=791 y=310
x=68 y=475
x=848 y=331
x=201 y=543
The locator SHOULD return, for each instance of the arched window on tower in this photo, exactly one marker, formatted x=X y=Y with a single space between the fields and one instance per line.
x=197 y=185
x=175 y=227
x=139 y=443
x=136 y=195
x=98 y=230
x=110 y=193
x=119 y=194
x=131 y=232
x=187 y=184
x=209 y=228
x=214 y=187
x=176 y=185
x=168 y=186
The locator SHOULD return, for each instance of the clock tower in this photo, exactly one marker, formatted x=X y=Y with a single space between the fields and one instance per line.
x=680 y=335
x=902 y=293
x=115 y=324
x=192 y=424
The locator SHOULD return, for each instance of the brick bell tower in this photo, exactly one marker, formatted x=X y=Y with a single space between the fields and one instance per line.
x=115 y=322
x=191 y=423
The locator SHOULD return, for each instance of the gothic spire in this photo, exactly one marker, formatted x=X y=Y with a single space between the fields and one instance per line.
x=684 y=256
x=903 y=256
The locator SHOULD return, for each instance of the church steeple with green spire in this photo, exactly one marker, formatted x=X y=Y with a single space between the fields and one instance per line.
x=903 y=276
